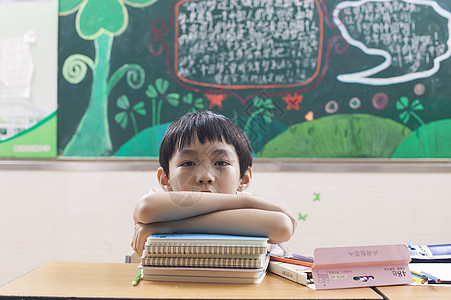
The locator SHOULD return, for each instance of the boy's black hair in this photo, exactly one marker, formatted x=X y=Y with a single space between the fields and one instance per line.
x=209 y=127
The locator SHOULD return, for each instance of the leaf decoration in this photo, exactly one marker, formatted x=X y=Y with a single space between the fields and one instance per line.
x=151 y=92
x=188 y=99
x=404 y=116
x=139 y=108
x=122 y=119
x=162 y=85
x=122 y=102
x=102 y=16
x=402 y=103
x=199 y=103
x=173 y=99
x=416 y=105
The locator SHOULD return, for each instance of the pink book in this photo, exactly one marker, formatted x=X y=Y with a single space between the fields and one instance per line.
x=361 y=266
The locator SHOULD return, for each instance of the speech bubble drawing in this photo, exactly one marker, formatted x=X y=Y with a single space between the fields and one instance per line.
x=410 y=55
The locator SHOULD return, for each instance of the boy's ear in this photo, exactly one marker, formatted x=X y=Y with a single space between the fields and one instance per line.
x=246 y=180
x=163 y=180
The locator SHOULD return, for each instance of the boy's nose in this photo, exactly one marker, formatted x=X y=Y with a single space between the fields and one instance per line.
x=201 y=181
x=205 y=178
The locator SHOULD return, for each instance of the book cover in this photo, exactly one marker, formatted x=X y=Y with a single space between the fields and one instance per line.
x=205 y=239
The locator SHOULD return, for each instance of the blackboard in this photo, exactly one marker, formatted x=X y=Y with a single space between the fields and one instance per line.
x=302 y=78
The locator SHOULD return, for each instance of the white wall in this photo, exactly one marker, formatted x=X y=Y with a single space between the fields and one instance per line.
x=87 y=215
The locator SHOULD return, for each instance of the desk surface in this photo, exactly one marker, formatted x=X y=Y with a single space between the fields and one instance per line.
x=90 y=280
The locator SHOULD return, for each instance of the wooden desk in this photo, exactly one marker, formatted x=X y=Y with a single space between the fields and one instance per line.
x=96 y=280
x=416 y=292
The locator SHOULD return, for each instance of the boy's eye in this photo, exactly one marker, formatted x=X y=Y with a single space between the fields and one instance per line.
x=222 y=163
x=187 y=164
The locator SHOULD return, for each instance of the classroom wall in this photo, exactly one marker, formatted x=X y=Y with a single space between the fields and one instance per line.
x=83 y=214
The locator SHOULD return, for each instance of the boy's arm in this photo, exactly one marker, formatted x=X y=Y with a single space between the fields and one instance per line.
x=171 y=206
x=275 y=225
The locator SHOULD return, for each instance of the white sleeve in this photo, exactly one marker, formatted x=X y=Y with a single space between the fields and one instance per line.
x=155 y=189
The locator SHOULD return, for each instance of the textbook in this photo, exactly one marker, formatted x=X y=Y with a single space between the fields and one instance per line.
x=299 y=274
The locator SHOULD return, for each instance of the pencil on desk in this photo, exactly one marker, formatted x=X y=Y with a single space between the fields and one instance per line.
x=431 y=277
x=292 y=261
x=137 y=278
x=418 y=277
x=303 y=258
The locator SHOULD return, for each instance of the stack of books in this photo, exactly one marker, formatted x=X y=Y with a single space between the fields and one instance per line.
x=204 y=258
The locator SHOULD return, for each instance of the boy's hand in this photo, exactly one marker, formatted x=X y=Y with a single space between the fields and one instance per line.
x=140 y=235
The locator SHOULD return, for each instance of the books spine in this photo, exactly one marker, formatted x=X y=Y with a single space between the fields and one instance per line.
x=201 y=262
x=161 y=249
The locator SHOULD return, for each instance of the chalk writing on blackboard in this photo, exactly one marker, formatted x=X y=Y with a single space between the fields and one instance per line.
x=248 y=44
x=408 y=34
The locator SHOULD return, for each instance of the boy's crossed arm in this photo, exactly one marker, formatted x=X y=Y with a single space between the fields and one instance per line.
x=240 y=214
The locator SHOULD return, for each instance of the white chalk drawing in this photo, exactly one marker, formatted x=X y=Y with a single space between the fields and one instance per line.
x=418 y=57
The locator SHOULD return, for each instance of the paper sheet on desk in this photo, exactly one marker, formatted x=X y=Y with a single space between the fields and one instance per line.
x=439 y=270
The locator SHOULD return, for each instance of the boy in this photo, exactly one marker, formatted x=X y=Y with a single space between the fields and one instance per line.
x=206 y=164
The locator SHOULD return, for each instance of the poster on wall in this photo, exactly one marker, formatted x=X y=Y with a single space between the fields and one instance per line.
x=307 y=79
x=28 y=67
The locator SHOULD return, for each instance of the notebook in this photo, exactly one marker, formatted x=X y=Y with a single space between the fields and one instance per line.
x=243 y=251
x=205 y=239
x=212 y=279
x=215 y=272
x=203 y=262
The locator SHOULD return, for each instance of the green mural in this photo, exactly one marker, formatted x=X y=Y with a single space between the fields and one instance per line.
x=325 y=79
x=99 y=21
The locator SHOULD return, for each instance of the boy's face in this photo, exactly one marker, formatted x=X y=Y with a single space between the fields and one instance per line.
x=210 y=167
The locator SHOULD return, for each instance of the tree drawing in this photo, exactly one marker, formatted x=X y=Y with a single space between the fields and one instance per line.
x=99 y=21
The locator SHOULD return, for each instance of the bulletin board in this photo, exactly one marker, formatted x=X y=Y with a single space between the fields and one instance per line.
x=28 y=78
x=304 y=79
